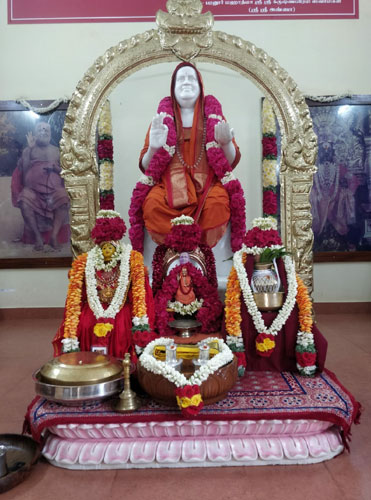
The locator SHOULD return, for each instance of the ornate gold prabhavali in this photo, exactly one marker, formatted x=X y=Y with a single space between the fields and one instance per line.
x=185 y=33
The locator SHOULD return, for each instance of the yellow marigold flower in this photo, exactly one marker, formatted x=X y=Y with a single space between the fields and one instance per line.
x=266 y=345
x=101 y=329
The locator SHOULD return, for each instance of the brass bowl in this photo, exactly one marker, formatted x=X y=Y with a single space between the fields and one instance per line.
x=268 y=301
x=80 y=368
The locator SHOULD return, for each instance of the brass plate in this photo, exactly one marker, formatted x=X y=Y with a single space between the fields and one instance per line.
x=80 y=368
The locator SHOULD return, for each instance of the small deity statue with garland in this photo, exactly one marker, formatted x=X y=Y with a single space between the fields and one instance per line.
x=285 y=340
x=109 y=306
x=184 y=280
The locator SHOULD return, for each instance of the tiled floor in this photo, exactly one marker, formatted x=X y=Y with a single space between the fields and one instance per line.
x=26 y=344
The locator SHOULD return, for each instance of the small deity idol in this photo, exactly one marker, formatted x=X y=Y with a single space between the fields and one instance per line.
x=109 y=296
x=185 y=294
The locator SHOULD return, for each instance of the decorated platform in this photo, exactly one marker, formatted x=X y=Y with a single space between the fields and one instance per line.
x=268 y=418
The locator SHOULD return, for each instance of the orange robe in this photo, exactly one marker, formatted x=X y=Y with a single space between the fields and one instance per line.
x=203 y=198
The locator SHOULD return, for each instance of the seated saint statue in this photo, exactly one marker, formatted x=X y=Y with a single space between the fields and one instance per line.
x=109 y=306
x=187 y=159
x=185 y=293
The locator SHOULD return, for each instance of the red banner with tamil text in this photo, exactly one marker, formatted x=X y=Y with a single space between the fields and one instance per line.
x=90 y=11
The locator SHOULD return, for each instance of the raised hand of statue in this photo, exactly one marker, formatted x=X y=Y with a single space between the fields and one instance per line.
x=224 y=135
x=158 y=133
x=31 y=139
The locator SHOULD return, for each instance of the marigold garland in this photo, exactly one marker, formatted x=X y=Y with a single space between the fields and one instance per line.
x=138 y=284
x=74 y=294
x=73 y=301
x=233 y=303
x=305 y=306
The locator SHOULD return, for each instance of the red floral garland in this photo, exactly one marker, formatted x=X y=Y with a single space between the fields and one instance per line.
x=210 y=313
x=270 y=206
x=217 y=161
x=257 y=237
x=158 y=266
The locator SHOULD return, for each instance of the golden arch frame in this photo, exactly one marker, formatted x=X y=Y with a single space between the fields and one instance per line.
x=299 y=142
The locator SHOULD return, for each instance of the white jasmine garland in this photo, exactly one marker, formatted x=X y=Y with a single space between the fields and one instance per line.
x=235 y=341
x=107 y=214
x=306 y=370
x=70 y=344
x=258 y=250
x=182 y=219
x=212 y=144
x=91 y=284
x=265 y=223
x=147 y=179
x=305 y=339
x=150 y=363
x=185 y=309
x=140 y=320
x=169 y=149
x=229 y=176
x=248 y=297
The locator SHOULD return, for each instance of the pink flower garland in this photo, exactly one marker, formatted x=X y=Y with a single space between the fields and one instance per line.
x=210 y=313
x=162 y=158
x=269 y=144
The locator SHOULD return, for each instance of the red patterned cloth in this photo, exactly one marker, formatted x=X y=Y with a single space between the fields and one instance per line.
x=256 y=396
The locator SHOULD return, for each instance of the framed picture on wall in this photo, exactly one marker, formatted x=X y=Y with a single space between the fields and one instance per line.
x=341 y=194
x=34 y=216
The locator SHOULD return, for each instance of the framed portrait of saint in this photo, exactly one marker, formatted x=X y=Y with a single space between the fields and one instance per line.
x=341 y=194
x=34 y=219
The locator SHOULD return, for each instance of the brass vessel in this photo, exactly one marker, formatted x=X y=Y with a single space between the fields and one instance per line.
x=269 y=301
x=80 y=368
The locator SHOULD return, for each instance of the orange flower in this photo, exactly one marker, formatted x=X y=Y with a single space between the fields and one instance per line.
x=73 y=302
x=233 y=303
x=138 y=284
x=305 y=306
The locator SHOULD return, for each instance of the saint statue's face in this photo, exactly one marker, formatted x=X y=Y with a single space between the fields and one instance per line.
x=108 y=250
x=187 y=88
x=42 y=133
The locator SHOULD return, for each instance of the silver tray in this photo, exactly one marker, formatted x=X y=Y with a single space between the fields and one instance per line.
x=75 y=395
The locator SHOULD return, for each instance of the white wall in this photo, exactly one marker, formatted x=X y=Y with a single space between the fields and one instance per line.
x=47 y=61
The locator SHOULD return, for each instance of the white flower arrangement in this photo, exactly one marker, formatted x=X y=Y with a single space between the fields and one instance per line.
x=269 y=121
x=105 y=122
x=229 y=176
x=248 y=297
x=182 y=219
x=258 y=250
x=185 y=309
x=305 y=339
x=147 y=180
x=91 y=284
x=306 y=370
x=70 y=344
x=107 y=214
x=150 y=363
x=106 y=176
x=265 y=223
x=140 y=321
